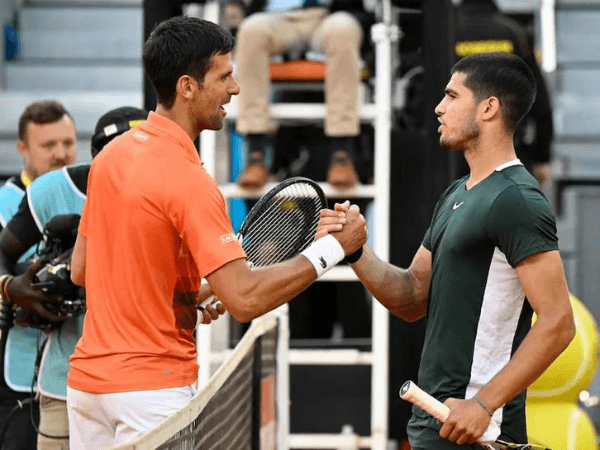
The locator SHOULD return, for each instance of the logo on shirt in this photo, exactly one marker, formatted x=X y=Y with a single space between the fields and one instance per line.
x=323 y=263
x=141 y=136
x=457 y=205
x=227 y=238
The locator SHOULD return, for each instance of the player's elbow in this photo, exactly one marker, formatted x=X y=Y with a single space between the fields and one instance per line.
x=564 y=329
x=243 y=308
x=242 y=316
x=569 y=329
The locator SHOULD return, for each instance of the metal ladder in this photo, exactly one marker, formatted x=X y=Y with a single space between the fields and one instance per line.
x=379 y=113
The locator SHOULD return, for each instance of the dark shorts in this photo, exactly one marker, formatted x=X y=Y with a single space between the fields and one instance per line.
x=424 y=434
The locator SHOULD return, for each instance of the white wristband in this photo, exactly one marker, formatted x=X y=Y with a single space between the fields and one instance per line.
x=324 y=254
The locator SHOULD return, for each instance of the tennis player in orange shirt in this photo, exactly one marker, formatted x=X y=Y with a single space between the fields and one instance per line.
x=153 y=225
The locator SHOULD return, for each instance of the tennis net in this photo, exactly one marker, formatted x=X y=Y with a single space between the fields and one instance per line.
x=236 y=409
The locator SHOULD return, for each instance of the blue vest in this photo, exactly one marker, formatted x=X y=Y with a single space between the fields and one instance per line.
x=49 y=195
x=10 y=197
x=19 y=358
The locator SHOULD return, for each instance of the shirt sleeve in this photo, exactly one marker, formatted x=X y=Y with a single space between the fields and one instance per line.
x=23 y=225
x=427 y=239
x=521 y=223
x=202 y=222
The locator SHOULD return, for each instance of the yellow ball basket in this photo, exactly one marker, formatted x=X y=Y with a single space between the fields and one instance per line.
x=574 y=370
x=560 y=426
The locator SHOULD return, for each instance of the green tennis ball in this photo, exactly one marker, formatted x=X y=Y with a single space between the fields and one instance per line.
x=574 y=370
x=560 y=425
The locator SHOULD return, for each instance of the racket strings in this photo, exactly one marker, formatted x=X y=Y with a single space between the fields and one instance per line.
x=295 y=192
x=276 y=214
x=285 y=226
x=285 y=241
x=290 y=194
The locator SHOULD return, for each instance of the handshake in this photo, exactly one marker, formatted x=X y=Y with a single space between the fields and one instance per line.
x=340 y=234
x=347 y=225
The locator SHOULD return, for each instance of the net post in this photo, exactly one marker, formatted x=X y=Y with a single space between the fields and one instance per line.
x=256 y=393
x=203 y=347
x=283 y=377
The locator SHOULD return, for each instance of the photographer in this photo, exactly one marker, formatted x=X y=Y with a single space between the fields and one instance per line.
x=56 y=193
x=47 y=141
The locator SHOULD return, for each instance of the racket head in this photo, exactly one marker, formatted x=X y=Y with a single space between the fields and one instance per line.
x=283 y=221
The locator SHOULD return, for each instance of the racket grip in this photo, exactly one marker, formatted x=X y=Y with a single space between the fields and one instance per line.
x=432 y=406
x=414 y=394
x=207 y=301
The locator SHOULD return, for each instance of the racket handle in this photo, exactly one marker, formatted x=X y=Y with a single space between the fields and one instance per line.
x=432 y=406
x=207 y=301
x=414 y=394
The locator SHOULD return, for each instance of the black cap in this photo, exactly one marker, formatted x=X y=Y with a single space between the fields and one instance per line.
x=113 y=123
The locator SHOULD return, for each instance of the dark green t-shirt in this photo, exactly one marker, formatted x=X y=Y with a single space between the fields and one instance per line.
x=477 y=313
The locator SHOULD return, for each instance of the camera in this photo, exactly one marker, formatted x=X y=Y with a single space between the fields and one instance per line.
x=54 y=277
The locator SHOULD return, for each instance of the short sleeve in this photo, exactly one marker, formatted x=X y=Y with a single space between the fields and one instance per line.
x=197 y=210
x=521 y=223
x=427 y=239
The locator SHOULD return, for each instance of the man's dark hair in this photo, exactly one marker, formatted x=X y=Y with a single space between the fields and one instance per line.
x=501 y=75
x=42 y=112
x=182 y=46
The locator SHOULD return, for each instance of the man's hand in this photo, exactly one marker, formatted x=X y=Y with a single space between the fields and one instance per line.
x=23 y=294
x=211 y=311
x=466 y=423
x=354 y=233
x=330 y=221
x=64 y=258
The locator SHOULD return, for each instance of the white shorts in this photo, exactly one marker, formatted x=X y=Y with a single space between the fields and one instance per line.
x=99 y=421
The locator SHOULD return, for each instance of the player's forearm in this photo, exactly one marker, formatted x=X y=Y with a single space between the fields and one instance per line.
x=546 y=340
x=394 y=287
x=251 y=293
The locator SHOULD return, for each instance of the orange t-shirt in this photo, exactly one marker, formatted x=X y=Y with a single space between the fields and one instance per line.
x=155 y=222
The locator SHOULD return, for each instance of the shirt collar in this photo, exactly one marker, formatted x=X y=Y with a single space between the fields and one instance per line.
x=167 y=126
x=514 y=162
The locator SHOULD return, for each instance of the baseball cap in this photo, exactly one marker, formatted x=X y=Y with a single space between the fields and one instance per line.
x=113 y=123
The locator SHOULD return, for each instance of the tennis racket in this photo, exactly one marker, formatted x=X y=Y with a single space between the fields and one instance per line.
x=282 y=223
x=432 y=406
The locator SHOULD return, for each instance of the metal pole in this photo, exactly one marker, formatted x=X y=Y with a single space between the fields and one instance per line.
x=548 y=35
x=383 y=34
x=283 y=378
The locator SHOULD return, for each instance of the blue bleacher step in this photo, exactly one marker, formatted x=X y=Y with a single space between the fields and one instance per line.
x=578 y=34
x=81 y=32
x=575 y=159
x=576 y=115
x=73 y=75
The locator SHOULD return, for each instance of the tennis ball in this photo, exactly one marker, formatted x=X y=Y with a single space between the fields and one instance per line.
x=560 y=425
x=573 y=371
